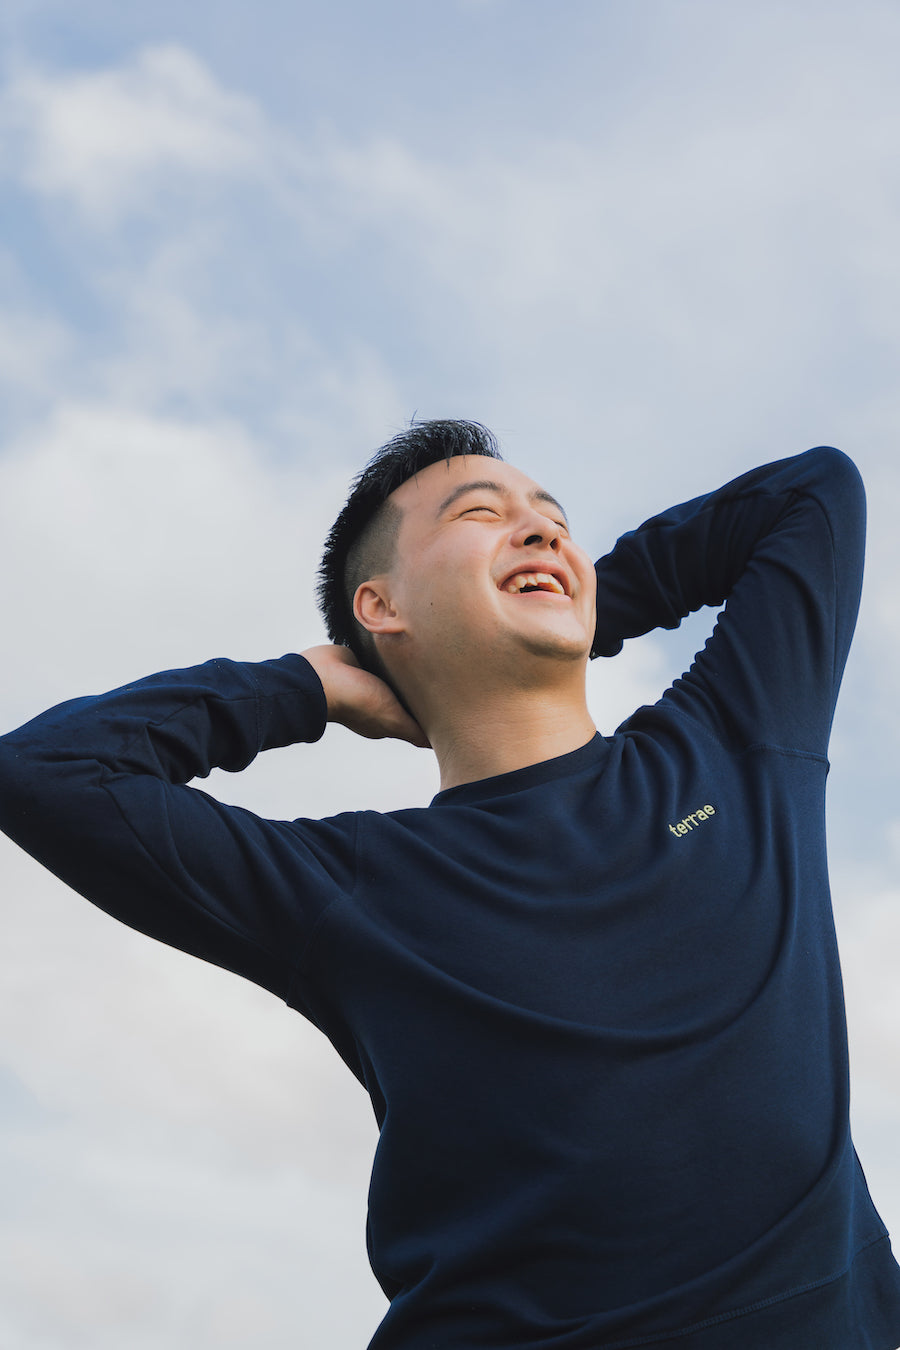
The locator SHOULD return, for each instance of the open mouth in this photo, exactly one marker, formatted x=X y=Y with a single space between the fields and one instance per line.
x=525 y=583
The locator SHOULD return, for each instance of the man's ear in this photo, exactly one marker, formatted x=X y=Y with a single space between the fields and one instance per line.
x=374 y=608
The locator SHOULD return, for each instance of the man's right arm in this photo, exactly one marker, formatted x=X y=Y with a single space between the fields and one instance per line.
x=96 y=790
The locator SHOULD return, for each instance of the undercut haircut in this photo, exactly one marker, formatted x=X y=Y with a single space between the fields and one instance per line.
x=362 y=541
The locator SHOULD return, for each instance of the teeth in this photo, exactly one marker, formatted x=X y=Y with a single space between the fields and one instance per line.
x=544 y=580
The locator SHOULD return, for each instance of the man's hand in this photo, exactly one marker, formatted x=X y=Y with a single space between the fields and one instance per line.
x=359 y=700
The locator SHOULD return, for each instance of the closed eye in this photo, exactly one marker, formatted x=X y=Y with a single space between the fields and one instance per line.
x=560 y=524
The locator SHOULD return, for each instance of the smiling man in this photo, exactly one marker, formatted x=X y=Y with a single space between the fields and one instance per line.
x=473 y=594
x=592 y=989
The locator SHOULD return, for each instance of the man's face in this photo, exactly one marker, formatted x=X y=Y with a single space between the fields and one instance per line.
x=485 y=567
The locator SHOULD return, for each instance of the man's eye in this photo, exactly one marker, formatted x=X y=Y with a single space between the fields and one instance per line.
x=469 y=509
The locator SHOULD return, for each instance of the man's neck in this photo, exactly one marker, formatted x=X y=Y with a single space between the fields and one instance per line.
x=498 y=735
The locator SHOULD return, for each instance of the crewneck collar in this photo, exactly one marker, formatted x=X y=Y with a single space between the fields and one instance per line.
x=518 y=780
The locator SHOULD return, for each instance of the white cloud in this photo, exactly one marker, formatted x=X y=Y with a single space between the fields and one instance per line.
x=34 y=350
x=869 y=937
x=140 y=531
x=698 y=256
x=870 y=943
x=130 y=1241
x=101 y=139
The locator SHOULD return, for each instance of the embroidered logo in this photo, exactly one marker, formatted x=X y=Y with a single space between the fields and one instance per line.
x=693 y=820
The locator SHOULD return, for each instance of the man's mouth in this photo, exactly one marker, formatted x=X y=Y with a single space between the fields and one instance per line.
x=523 y=582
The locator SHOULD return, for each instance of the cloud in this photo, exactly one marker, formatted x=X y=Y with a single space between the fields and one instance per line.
x=102 y=139
x=869 y=936
x=587 y=261
x=132 y=1241
x=36 y=355
x=108 y=501
x=138 y=541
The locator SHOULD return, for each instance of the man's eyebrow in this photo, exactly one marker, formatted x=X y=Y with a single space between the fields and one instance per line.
x=488 y=485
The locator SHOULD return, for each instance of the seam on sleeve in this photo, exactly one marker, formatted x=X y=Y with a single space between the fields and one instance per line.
x=176 y=712
x=770 y=748
x=300 y=966
x=736 y=748
x=257 y=710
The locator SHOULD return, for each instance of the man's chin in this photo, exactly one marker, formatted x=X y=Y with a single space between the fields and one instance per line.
x=548 y=645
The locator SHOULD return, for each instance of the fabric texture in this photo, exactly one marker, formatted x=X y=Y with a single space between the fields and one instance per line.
x=596 y=1002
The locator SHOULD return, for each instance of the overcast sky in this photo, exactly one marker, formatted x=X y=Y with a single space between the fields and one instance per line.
x=650 y=244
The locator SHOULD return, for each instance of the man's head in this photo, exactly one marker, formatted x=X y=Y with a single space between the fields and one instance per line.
x=363 y=540
x=448 y=570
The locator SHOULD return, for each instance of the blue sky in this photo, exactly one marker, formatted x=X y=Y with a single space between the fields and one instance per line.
x=650 y=245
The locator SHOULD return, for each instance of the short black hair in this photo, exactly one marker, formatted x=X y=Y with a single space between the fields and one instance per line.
x=362 y=538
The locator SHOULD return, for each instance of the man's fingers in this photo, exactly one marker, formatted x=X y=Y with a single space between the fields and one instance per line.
x=361 y=701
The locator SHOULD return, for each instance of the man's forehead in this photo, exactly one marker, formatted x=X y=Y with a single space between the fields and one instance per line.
x=435 y=487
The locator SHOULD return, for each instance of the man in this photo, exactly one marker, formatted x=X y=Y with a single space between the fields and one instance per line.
x=592 y=989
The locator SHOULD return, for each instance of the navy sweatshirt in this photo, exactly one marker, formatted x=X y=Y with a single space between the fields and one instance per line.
x=596 y=1002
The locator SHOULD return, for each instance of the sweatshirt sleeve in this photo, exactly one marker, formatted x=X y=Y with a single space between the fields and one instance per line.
x=782 y=549
x=96 y=790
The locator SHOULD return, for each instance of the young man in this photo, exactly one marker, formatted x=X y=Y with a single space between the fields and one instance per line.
x=593 y=988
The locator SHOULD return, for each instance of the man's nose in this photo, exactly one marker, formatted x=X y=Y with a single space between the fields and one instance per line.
x=538 y=530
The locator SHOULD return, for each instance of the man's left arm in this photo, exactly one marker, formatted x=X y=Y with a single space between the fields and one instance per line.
x=782 y=548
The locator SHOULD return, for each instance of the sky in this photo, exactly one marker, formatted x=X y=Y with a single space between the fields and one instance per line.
x=650 y=245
